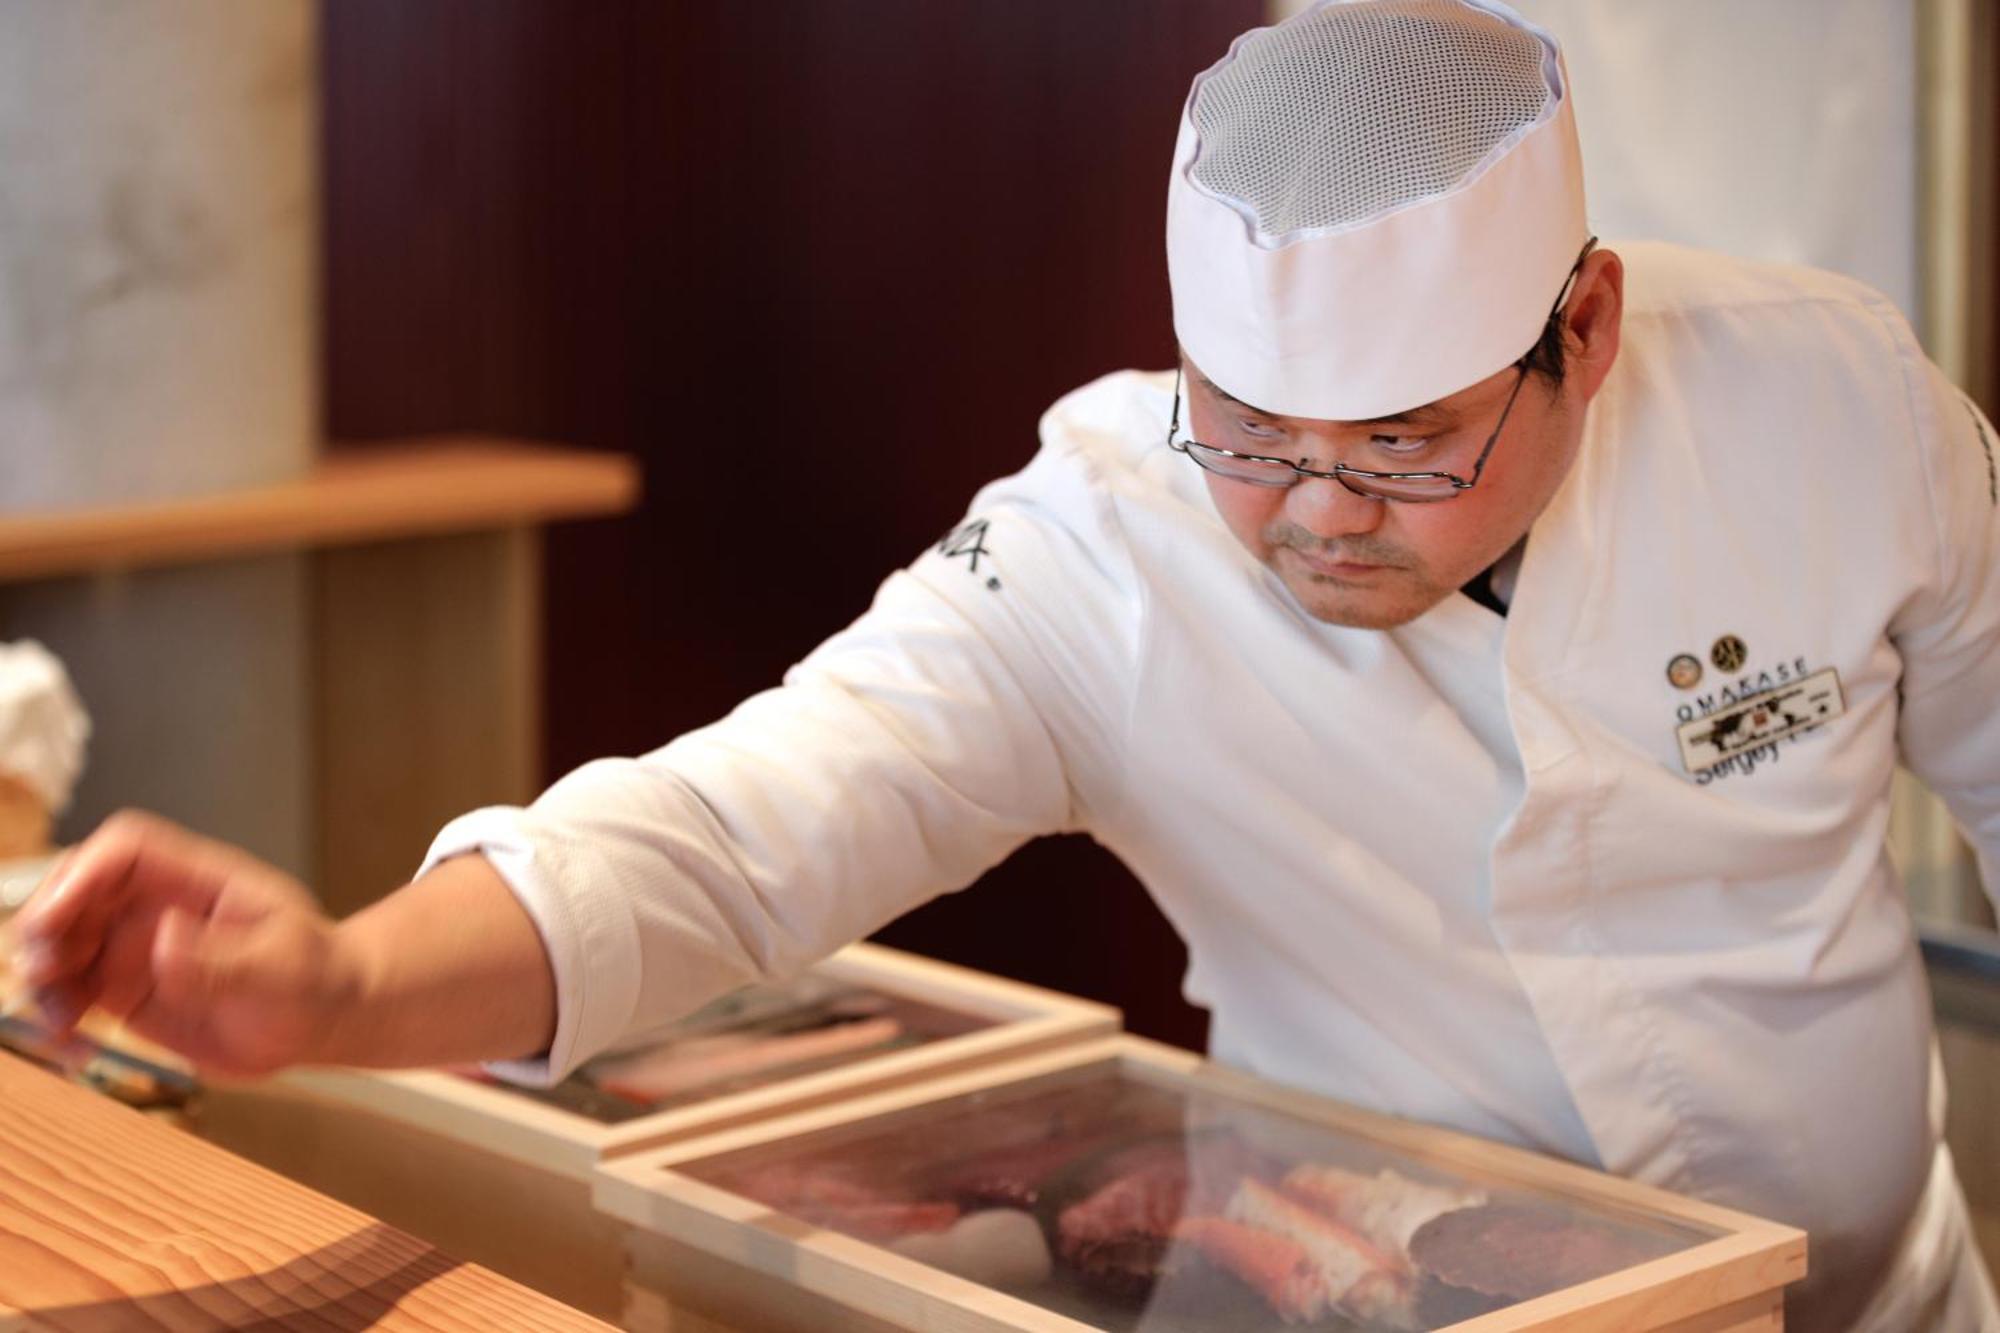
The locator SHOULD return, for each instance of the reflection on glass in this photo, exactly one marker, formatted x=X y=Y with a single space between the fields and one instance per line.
x=1127 y=1205
x=757 y=1036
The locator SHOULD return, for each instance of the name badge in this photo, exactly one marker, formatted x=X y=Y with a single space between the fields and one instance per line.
x=1760 y=720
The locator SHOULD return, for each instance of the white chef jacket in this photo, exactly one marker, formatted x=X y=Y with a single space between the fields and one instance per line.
x=1459 y=870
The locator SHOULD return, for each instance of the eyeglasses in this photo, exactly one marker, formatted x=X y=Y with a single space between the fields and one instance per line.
x=1402 y=487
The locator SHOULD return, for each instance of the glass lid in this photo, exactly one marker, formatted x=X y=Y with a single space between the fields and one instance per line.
x=750 y=1039
x=1128 y=1205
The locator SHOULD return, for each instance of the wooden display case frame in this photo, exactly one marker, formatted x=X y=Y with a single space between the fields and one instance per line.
x=709 y=1260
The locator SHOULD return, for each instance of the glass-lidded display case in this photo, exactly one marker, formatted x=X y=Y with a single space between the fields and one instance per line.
x=1128 y=1187
x=866 y=1018
x=500 y=1174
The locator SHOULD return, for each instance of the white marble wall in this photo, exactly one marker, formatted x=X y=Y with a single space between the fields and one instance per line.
x=158 y=207
x=1783 y=130
x=156 y=225
x=197 y=687
x=1780 y=129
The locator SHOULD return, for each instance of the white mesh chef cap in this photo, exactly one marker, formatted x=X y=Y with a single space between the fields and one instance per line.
x=1373 y=205
x=42 y=723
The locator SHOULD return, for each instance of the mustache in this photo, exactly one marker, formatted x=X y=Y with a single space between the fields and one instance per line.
x=1362 y=548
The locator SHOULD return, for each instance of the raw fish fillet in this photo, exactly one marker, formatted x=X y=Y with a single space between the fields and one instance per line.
x=1278 y=1269
x=1386 y=1207
x=683 y=1066
x=832 y=1196
x=1362 y=1280
x=1146 y=1201
x=1119 y=1235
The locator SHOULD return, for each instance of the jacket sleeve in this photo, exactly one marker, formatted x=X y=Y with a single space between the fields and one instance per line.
x=1949 y=633
x=960 y=716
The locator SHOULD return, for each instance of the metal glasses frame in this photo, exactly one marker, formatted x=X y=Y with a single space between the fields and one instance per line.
x=1342 y=473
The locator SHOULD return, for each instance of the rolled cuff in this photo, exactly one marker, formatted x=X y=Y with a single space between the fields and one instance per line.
x=590 y=938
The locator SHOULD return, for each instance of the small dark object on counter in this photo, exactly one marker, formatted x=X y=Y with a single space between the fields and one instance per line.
x=123 y=1077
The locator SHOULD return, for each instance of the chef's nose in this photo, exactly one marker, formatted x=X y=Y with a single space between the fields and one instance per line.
x=1327 y=509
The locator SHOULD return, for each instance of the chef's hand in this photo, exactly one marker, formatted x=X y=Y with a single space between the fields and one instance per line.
x=192 y=943
x=228 y=961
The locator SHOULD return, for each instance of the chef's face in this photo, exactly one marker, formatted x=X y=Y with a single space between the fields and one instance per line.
x=1375 y=564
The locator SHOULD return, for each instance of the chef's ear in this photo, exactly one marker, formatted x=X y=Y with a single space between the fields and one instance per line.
x=1593 y=317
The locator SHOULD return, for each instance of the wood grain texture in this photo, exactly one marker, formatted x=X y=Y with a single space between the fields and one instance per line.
x=426 y=698
x=412 y=489
x=1759 y=1314
x=671 y=1287
x=529 y=1224
x=110 y=1223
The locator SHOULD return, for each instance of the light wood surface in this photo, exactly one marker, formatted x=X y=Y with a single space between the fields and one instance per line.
x=1728 y=1284
x=1759 y=1314
x=373 y=493
x=111 y=1222
x=531 y=1225
x=426 y=698
x=676 y=1288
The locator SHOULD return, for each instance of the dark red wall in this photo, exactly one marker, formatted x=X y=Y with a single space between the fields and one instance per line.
x=819 y=264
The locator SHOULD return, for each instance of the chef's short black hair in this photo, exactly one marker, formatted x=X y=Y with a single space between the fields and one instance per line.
x=1549 y=357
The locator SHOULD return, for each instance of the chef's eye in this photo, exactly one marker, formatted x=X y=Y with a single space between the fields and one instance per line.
x=1262 y=430
x=1400 y=444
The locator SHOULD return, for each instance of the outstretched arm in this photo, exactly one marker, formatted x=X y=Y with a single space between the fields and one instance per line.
x=975 y=705
x=207 y=950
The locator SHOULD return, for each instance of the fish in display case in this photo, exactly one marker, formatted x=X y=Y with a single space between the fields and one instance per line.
x=1128 y=1206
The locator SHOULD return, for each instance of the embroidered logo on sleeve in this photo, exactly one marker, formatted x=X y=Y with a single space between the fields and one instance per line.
x=1737 y=736
x=967 y=542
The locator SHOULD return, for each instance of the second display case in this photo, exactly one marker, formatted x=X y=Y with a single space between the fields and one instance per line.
x=1125 y=1186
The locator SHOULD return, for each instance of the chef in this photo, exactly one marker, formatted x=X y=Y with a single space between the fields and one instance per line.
x=1491 y=648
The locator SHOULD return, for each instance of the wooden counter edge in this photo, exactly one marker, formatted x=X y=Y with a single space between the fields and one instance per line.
x=107 y=1214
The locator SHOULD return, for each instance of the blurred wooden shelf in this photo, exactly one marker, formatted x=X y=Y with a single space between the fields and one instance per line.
x=376 y=492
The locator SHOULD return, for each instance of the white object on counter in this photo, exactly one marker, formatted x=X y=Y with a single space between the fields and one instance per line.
x=43 y=727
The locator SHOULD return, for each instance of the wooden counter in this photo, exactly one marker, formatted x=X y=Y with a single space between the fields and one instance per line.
x=109 y=1221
